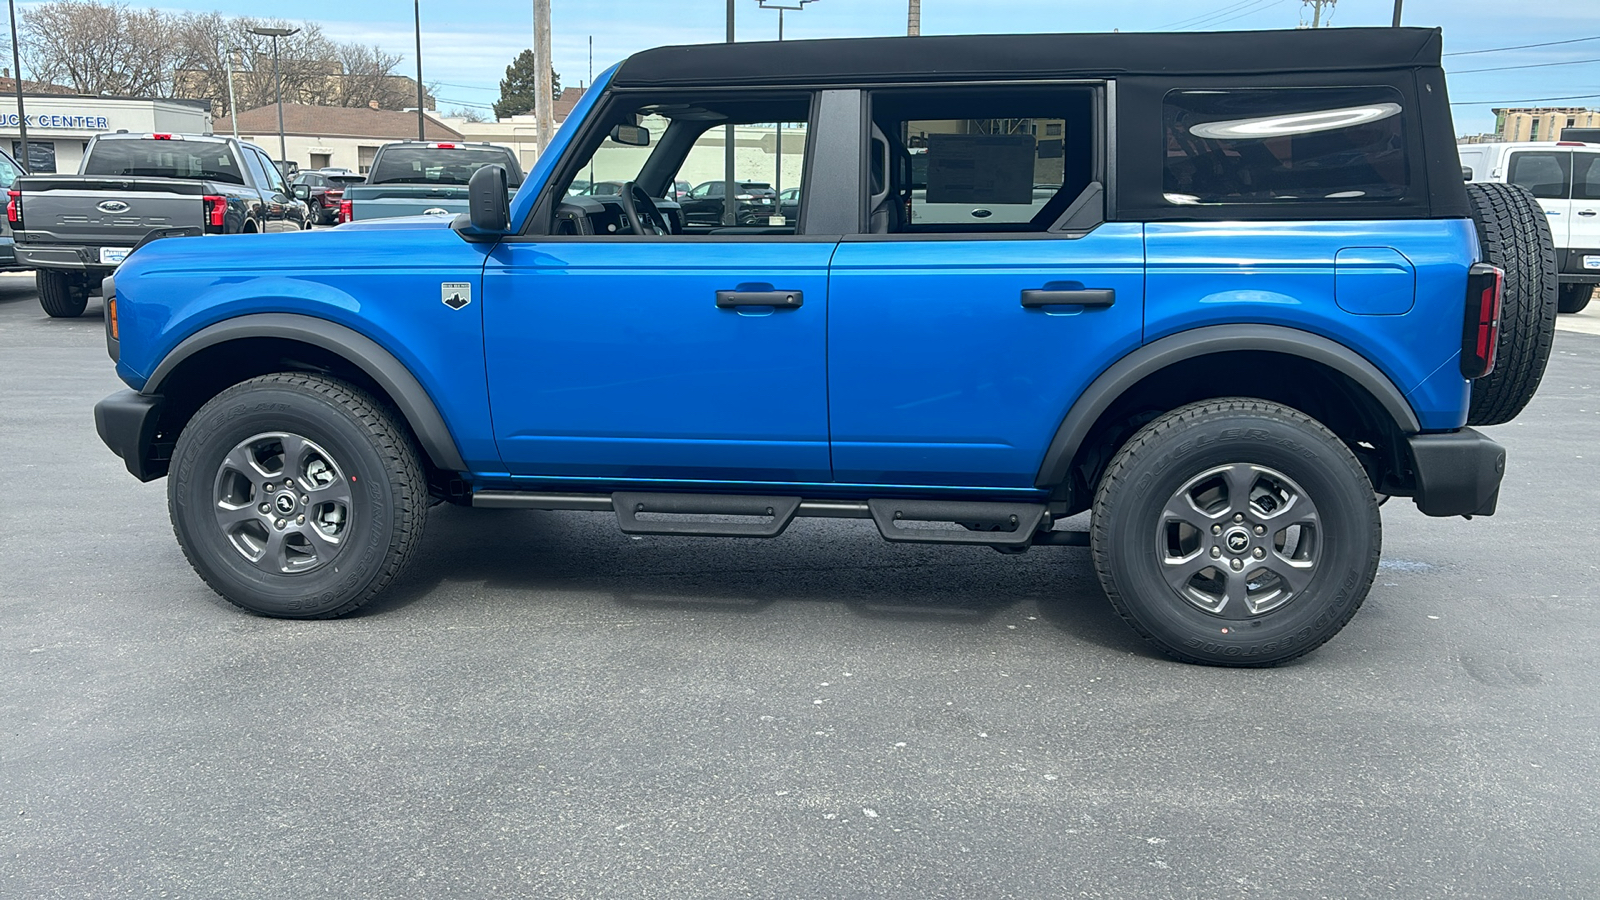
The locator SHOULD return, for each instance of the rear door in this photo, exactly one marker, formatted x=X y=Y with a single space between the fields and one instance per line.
x=1548 y=174
x=1584 y=234
x=970 y=317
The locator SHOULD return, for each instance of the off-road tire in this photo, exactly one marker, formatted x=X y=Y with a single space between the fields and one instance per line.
x=1514 y=234
x=371 y=450
x=1574 y=297
x=1129 y=532
x=63 y=295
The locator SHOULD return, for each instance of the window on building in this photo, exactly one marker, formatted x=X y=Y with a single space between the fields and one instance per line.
x=41 y=156
x=364 y=157
x=1291 y=145
x=1533 y=130
x=321 y=160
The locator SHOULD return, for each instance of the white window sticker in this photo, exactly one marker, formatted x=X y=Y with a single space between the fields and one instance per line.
x=114 y=255
x=455 y=294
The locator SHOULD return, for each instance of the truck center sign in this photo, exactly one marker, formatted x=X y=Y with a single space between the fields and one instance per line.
x=52 y=120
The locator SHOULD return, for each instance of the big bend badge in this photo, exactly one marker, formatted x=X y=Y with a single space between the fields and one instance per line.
x=455 y=294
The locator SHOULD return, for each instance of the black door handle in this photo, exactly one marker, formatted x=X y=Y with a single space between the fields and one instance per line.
x=776 y=299
x=1587 y=212
x=1095 y=299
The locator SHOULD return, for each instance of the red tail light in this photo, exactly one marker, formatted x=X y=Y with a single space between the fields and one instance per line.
x=160 y=137
x=14 y=207
x=216 y=210
x=346 y=212
x=331 y=199
x=1480 y=331
x=444 y=146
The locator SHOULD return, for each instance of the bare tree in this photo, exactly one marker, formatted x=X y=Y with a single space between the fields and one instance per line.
x=100 y=48
x=466 y=114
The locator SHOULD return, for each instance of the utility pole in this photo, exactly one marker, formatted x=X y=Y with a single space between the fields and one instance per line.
x=1397 y=4
x=543 y=102
x=233 y=106
x=914 y=19
x=1316 y=10
x=422 y=130
x=730 y=185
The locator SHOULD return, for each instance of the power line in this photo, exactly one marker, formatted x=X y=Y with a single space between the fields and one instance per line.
x=1524 y=46
x=1569 y=62
x=1205 y=15
x=1251 y=11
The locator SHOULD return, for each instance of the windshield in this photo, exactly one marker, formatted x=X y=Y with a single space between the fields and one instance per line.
x=164 y=159
x=430 y=165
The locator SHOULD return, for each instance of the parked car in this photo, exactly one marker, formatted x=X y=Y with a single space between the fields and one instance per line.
x=1565 y=176
x=327 y=191
x=703 y=206
x=1261 y=300
x=10 y=171
x=789 y=203
x=411 y=178
x=76 y=229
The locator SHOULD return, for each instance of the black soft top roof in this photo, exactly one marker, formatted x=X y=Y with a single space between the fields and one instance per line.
x=963 y=57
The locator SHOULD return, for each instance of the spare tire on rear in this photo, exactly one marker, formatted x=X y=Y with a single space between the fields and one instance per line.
x=1514 y=235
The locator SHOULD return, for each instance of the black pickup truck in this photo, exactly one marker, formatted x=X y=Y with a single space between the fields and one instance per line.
x=76 y=229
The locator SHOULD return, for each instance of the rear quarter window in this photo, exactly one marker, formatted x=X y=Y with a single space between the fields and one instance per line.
x=1284 y=146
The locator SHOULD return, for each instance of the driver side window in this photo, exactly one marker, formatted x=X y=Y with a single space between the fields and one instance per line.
x=674 y=150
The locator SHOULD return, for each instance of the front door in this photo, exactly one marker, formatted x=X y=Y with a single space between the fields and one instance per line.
x=694 y=360
x=1584 y=234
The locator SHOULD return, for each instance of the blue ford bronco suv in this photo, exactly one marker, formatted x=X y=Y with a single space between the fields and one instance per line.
x=1226 y=292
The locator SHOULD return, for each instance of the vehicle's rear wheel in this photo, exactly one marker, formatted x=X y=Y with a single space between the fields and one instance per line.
x=1574 y=297
x=296 y=496
x=1236 y=532
x=62 y=294
x=1514 y=234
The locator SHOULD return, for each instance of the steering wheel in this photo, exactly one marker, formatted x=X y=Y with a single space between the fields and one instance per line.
x=643 y=216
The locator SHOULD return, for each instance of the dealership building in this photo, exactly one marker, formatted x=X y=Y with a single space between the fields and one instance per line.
x=60 y=125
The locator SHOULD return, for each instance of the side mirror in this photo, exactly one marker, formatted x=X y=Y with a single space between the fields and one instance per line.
x=301 y=191
x=488 y=204
x=631 y=135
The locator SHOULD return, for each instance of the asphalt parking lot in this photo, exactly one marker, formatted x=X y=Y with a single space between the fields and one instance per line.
x=547 y=708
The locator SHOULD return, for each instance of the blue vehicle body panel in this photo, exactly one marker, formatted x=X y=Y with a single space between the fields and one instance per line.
x=939 y=376
x=1285 y=273
x=611 y=359
x=381 y=282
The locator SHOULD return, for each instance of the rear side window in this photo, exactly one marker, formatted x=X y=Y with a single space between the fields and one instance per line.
x=1586 y=176
x=1284 y=146
x=164 y=159
x=1546 y=174
x=432 y=165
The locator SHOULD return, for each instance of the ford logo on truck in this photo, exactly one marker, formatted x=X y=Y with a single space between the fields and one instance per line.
x=112 y=206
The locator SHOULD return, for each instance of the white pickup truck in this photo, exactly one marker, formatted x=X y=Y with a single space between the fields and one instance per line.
x=1565 y=176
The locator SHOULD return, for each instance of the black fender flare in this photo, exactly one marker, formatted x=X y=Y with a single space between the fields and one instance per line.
x=1152 y=357
x=369 y=356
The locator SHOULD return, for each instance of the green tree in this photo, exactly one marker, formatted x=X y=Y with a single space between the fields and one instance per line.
x=519 y=87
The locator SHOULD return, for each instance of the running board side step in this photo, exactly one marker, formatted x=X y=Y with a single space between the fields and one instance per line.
x=993 y=524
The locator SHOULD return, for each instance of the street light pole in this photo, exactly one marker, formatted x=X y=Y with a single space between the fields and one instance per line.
x=730 y=214
x=1397 y=4
x=22 y=114
x=777 y=180
x=277 y=80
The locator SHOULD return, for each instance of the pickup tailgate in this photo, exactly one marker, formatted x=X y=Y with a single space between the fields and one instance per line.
x=94 y=210
x=386 y=201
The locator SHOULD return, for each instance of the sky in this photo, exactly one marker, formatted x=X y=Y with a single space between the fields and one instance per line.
x=467 y=45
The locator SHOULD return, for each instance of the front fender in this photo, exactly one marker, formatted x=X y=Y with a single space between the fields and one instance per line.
x=379 y=364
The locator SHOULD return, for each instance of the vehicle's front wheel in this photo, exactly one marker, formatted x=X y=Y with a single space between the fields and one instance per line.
x=1574 y=297
x=1236 y=532
x=296 y=496
x=62 y=294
